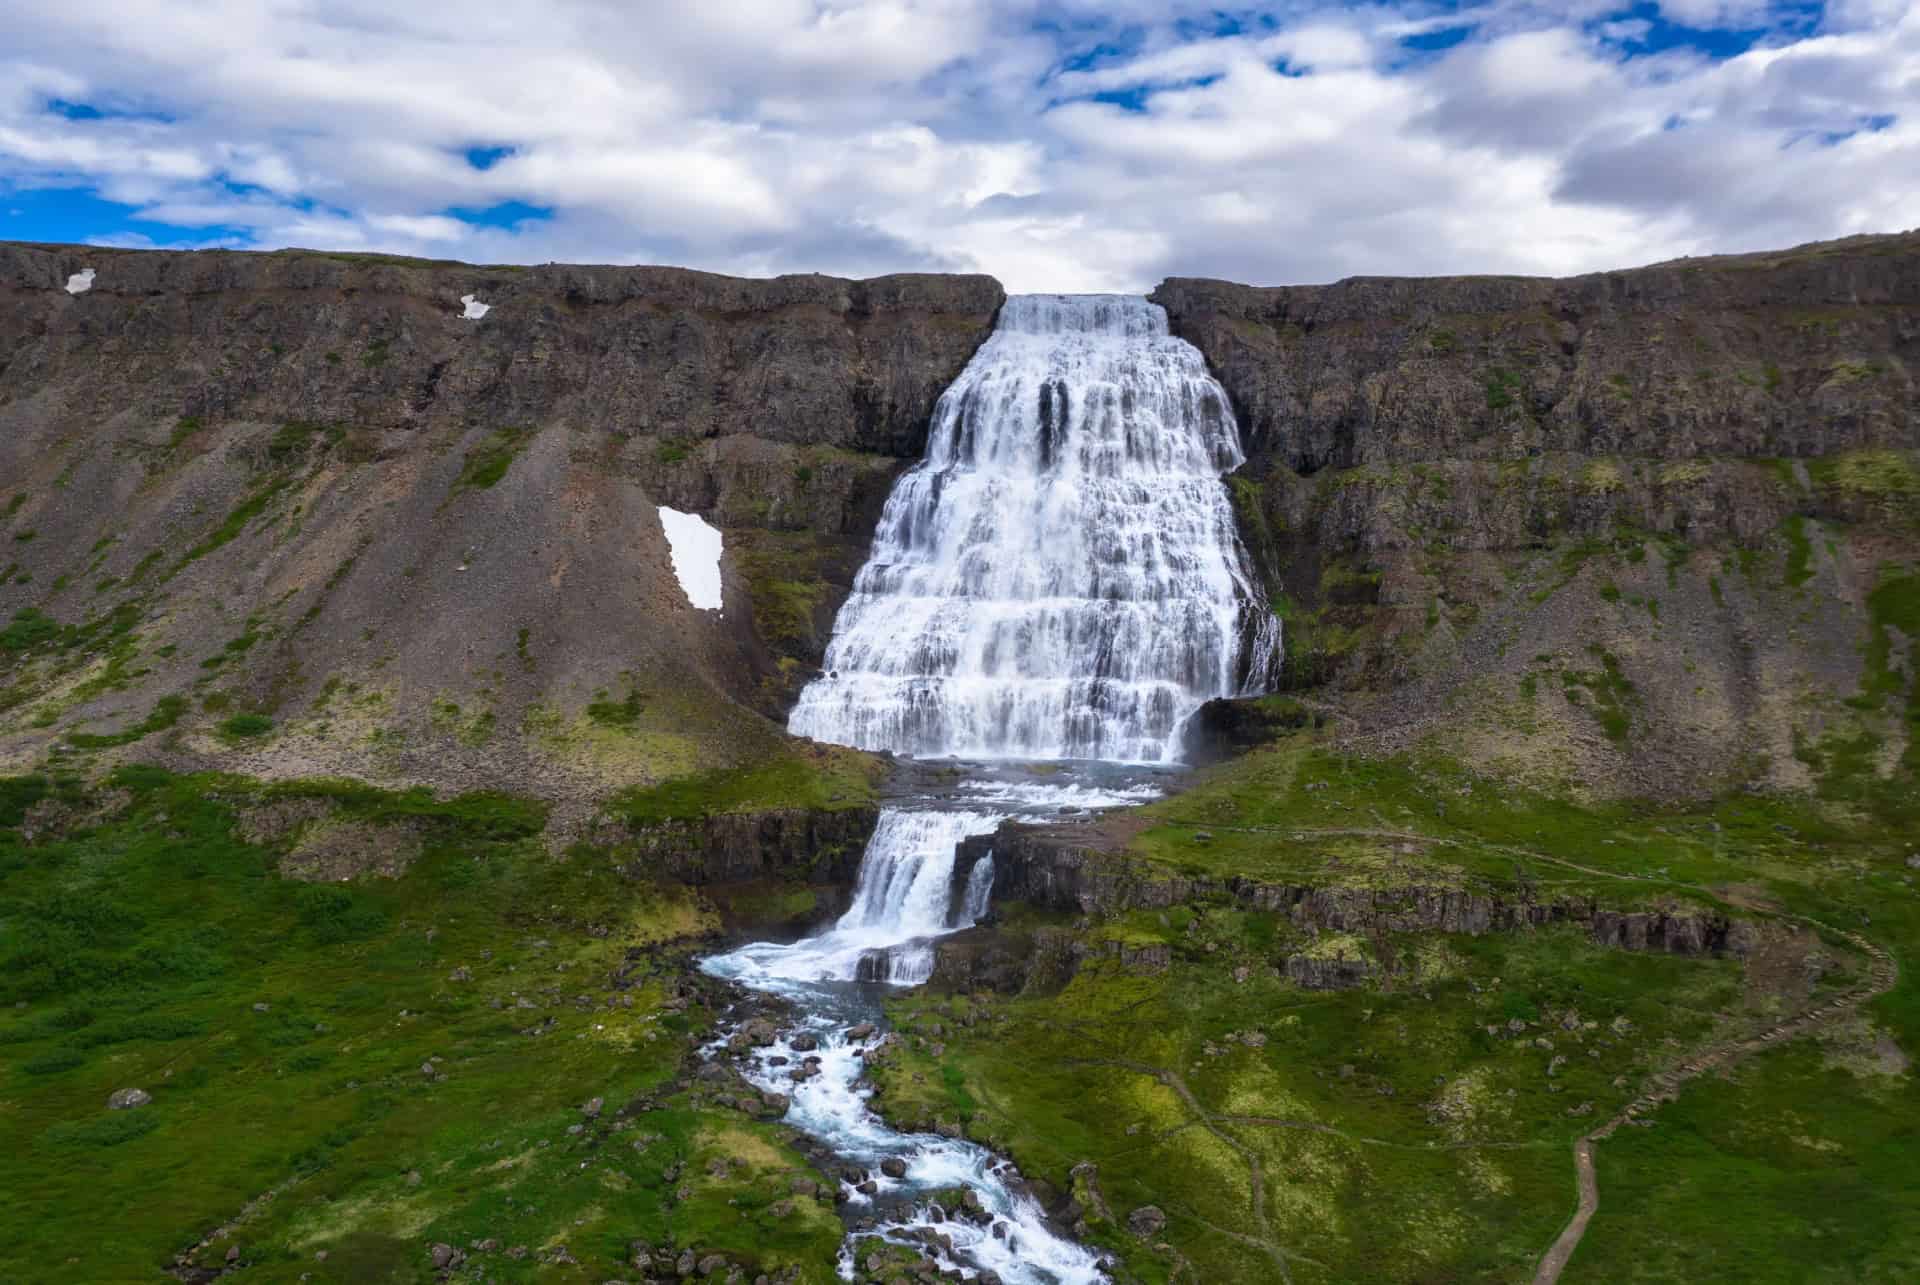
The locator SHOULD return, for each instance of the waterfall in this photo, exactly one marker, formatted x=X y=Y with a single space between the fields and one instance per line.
x=1060 y=577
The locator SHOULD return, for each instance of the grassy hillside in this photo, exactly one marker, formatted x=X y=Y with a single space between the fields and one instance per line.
x=345 y=1073
x=1418 y=1125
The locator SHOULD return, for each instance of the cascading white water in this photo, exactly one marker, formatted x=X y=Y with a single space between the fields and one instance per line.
x=900 y=902
x=1060 y=578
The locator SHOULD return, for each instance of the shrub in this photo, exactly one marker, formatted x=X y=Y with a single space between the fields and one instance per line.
x=30 y=628
x=54 y=1062
x=243 y=726
x=106 y=1131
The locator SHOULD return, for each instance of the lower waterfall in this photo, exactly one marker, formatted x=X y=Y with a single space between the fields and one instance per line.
x=1058 y=581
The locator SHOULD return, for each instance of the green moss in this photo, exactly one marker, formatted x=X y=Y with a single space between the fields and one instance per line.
x=487 y=463
x=13 y=505
x=246 y=726
x=783 y=575
x=166 y=712
x=1887 y=480
x=147 y=563
x=624 y=713
x=816 y=777
x=1605 y=693
x=1799 y=568
x=29 y=629
x=230 y=527
x=1503 y=388
x=295 y=440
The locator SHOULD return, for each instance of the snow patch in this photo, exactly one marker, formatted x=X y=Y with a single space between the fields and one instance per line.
x=696 y=557
x=474 y=309
x=80 y=282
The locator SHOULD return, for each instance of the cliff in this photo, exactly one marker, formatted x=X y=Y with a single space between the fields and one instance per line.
x=1648 y=531
x=1797 y=354
x=1054 y=870
x=295 y=513
x=1644 y=530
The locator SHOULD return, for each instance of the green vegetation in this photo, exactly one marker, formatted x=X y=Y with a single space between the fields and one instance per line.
x=623 y=713
x=1794 y=1170
x=166 y=712
x=295 y=440
x=1888 y=481
x=282 y=1029
x=1397 y=1136
x=822 y=777
x=782 y=571
x=1503 y=389
x=1418 y=1127
x=1799 y=551
x=230 y=527
x=488 y=462
x=29 y=629
x=246 y=726
x=1606 y=692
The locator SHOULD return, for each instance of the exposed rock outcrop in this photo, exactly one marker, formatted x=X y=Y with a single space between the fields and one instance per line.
x=1047 y=868
x=379 y=343
x=1464 y=489
x=1798 y=353
x=741 y=847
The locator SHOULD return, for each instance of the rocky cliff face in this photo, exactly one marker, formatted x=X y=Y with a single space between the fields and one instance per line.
x=1050 y=869
x=1624 y=529
x=304 y=488
x=783 y=845
x=1798 y=354
x=379 y=344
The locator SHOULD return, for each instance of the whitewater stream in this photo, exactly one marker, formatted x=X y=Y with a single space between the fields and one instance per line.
x=1058 y=582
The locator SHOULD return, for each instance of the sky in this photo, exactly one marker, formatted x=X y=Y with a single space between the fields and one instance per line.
x=1068 y=145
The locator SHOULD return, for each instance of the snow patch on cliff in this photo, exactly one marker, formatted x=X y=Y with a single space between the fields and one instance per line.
x=80 y=282
x=696 y=557
x=474 y=309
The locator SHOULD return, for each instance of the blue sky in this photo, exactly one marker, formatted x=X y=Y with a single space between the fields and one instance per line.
x=1059 y=145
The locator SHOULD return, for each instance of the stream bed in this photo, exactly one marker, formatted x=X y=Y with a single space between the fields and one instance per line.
x=836 y=983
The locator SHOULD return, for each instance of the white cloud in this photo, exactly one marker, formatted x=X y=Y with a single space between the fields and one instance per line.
x=862 y=136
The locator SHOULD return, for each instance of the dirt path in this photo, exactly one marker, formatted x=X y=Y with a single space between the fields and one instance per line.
x=1665 y=1086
